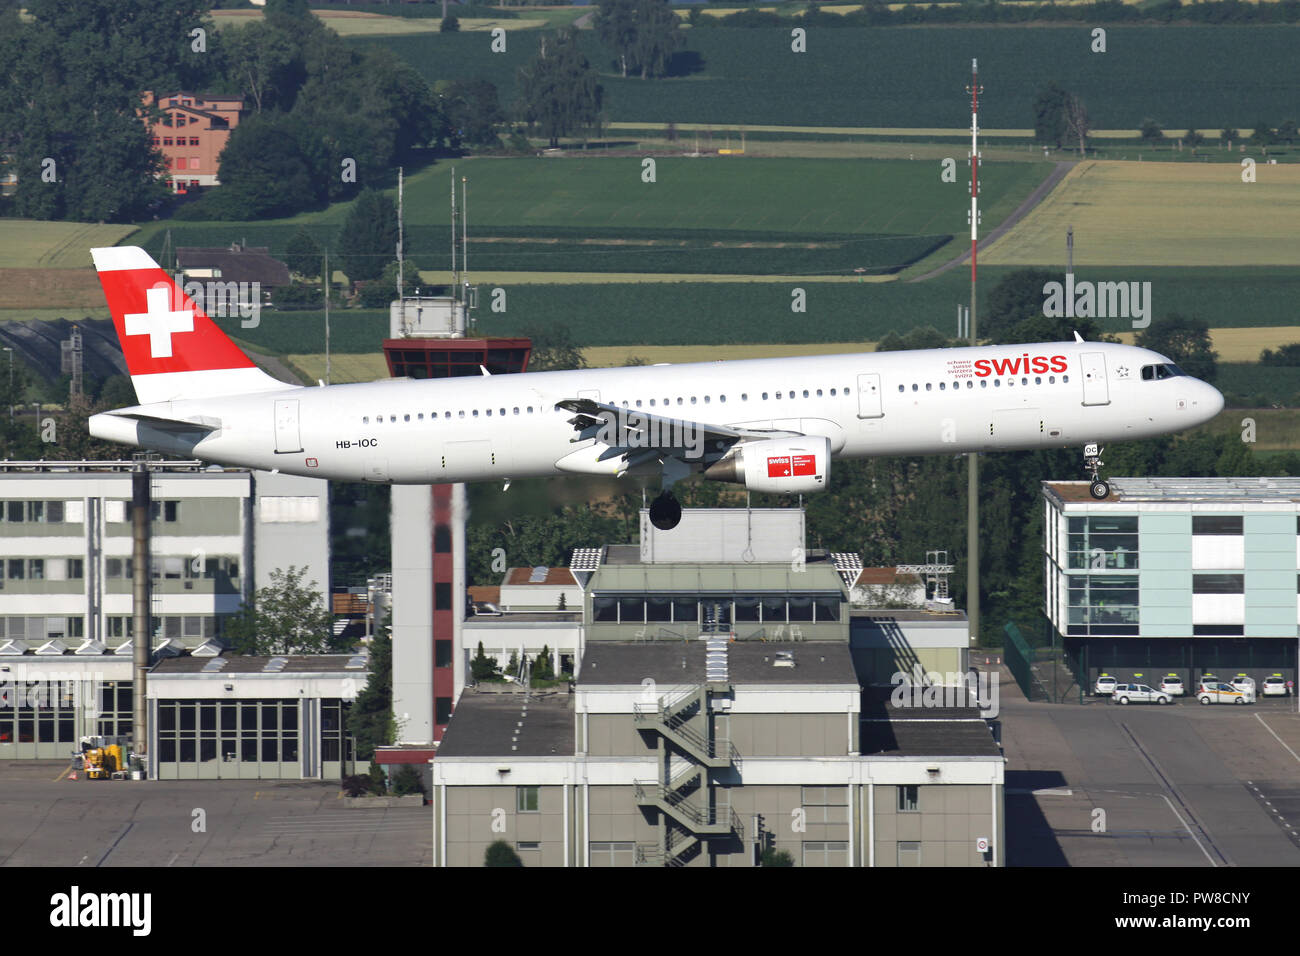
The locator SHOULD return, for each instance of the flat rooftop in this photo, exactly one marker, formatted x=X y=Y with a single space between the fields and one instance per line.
x=510 y=725
x=1133 y=490
x=238 y=664
x=748 y=662
x=927 y=737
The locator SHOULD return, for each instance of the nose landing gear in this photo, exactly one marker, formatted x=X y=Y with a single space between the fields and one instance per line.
x=1100 y=488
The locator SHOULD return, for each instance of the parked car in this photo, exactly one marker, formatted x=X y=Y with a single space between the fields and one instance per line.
x=1139 y=694
x=1172 y=685
x=1243 y=683
x=1218 y=692
x=1275 y=686
x=1105 y=685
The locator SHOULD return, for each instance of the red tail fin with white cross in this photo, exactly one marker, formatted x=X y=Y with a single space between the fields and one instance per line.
x=173 y=350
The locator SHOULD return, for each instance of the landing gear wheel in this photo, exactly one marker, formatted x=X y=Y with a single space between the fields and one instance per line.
x=665 y=512
x=1092 y=463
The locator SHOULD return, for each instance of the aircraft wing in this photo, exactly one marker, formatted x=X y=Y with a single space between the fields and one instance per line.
x=642 y=436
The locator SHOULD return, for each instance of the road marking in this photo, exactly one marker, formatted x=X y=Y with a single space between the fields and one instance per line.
x=66 y=770
x=1277 y=738
x=1188 y=829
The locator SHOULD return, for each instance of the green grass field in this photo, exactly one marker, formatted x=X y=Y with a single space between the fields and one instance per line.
x=35 y=244
x=1209 y=76
x=708 y=215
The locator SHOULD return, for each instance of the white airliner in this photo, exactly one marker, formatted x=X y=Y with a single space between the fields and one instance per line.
x=772 y=425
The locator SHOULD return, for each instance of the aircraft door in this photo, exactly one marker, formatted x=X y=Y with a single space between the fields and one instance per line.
x=287 y=436
x=1095 y=390
x=869 y=396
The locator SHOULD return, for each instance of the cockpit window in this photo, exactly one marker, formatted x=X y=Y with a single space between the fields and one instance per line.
x=1154 y=372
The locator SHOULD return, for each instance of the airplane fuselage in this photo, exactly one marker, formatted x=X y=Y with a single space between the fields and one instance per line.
x=865 y=404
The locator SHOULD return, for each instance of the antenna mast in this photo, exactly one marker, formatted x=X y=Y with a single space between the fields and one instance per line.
x=399 y=233
x=455 y=273
x=972 y=458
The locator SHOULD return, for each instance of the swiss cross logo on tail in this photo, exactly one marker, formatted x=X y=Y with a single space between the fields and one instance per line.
x=789 y=466
x=159 y=322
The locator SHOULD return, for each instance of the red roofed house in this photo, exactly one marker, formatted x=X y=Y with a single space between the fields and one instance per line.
x=192 y=134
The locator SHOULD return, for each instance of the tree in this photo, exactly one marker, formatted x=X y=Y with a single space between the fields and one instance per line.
x=407 y=781
x=1286 y=355
x=553 y=348
x=1288 y=132
x=1192 y=139
x=482 y=667
x=925 y=337
x=501 y=853
x=377 y=779
x=1263 y=135
x=265 y=171
x=473 y=112
x=543 y=670
x=559 y=92
x=1186 y=341
x=370 y=718
x=659 y=34
x=287 y=616
x=774 y=857
x=266 y=63
x=303 y=255
x=1229 y=135
x=1049 y=114
x=616 y=26
x=1077 y=124
x=512 y=668
x=449 y=24
x=1152 y=132
x=368 y=239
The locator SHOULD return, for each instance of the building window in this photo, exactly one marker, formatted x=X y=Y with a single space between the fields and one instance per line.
x=1218 y=584
x=613 y=854
x=1101 y=604
x=442 y=596
x=909 y=798
x=826 y=853
x=442 y=653
x=528 y=846
x=826 y=804
x=1216 y=524
x=528 y=799
x=442 y=539
x=1104 y=543
x=909 y=854
x=441 y=710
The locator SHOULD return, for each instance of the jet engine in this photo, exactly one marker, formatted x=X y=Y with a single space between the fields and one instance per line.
x=777 y=465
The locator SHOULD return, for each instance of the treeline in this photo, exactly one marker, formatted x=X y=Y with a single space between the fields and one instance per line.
x=876 y=13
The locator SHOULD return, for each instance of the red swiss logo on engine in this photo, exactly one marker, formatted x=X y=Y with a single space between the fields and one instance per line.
x=787 y=466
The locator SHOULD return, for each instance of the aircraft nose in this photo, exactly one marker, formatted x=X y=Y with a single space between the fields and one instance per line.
x=1209 y=401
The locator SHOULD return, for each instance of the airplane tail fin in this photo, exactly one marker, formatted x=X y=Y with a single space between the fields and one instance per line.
x=173 y=350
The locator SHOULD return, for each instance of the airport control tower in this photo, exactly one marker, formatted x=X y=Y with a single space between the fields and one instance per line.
x=427 y=339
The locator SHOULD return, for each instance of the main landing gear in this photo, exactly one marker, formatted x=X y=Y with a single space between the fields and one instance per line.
x=665 y=511
x=1099 y=488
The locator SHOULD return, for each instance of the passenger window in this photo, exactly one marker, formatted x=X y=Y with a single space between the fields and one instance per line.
x=744 y=396
x=1065 y=378
x=765 y=396
x=652 y=401
x=819 y=393
x=489 y=413
x=638 y=403
x=942 y=386
x=722 y=398
x=997 y=383
x=392 y=418
x=365 y=419
x=503 y=411
x=476 y=413
x=1038 y=380
x=927 y=386
x=692 y=399
x=805 y=393
x=902 y=388
x=984 y=383
x=679 y=399
x=1051 y=380
x=406 y=417
x=420 y=416
x=1024 y=381
x=462 y=413
x=706 y=399
x=516 y=409
x=778 y=394
x=970 y=383
x=915 y=387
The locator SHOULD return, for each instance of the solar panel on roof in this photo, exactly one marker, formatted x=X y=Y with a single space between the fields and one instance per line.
x=275 y=665
x=538 y=575
x=585 y=559
x=214 y=665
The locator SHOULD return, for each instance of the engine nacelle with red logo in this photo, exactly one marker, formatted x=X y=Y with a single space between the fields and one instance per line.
x=777 y=465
